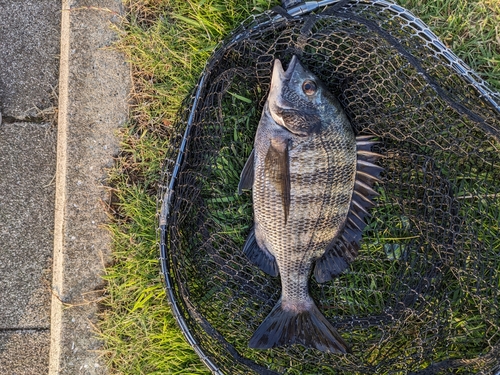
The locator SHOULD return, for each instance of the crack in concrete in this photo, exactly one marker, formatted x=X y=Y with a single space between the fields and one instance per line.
x=30 y=119
x=24 y=329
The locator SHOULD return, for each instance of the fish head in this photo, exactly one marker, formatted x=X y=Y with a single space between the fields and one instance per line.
x=298 y=99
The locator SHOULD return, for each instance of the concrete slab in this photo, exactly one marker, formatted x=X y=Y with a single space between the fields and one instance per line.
x=51 y=266
x=24 y=352
x=93 y=93
x=29 y=56
x=27 y=191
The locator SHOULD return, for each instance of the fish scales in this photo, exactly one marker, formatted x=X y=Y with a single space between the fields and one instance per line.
x=302 y=173
x=316 y=215
x=319 y=201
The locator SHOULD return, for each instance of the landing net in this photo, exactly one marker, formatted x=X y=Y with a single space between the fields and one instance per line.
x=423 y=295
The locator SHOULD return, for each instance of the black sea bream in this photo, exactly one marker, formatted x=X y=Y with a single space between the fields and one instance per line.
x=311 y=186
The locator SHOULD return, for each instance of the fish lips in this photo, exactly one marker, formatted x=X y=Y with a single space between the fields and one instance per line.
x=279 y=79
x=280 y=75
x=301 y=122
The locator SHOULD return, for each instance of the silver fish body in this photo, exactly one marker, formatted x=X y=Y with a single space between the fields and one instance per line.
x=302 y=173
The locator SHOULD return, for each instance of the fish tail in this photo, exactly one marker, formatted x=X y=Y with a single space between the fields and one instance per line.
x=308 y=328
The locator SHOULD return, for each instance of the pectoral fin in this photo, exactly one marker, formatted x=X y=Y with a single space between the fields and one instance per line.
x=247 y=174
x=278 y=167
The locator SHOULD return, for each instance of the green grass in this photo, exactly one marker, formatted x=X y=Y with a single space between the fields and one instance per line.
x=167 y=43
x=469 y=28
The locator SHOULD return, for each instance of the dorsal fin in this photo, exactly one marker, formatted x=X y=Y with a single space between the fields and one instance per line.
x=344 y=248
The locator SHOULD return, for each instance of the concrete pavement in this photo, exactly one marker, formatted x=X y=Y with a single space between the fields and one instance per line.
x=63 y=94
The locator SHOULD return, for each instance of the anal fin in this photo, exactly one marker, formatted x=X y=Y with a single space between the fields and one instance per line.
x=331 y=264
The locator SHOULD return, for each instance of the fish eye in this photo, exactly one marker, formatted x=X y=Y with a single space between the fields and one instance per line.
x=309 y=87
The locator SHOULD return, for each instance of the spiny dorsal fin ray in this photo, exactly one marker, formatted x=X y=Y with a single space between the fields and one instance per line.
x=366 y=177
x=364 y=164
x=364 y=188
x=365 y=142
x=369 y=168
x=359 y=194
x=356 y=222
x=344 y=248
x=365 y=138
x=357 y=214
x=359 y=207
x=364 y=145
x=368 y=155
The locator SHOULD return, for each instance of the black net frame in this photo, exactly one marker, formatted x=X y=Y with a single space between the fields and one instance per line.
x=423 y=295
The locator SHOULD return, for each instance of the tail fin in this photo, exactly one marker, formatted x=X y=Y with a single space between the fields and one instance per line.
x=308 y=328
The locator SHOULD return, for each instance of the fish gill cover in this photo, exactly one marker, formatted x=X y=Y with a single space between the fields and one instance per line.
x=422 y=296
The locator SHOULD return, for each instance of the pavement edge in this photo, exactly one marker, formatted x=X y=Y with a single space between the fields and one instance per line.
x=94 y=86
x=57 y=263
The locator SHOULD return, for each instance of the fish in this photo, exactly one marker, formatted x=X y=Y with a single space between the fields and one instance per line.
x=312 y=187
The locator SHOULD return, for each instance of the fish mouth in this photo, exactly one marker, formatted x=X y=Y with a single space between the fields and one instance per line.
x=279 y=74
x=280 y=77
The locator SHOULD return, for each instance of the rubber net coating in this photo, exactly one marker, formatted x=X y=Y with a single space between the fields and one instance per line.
x=423 y=295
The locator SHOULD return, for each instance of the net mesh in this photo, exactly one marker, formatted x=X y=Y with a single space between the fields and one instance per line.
x=423 y=294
